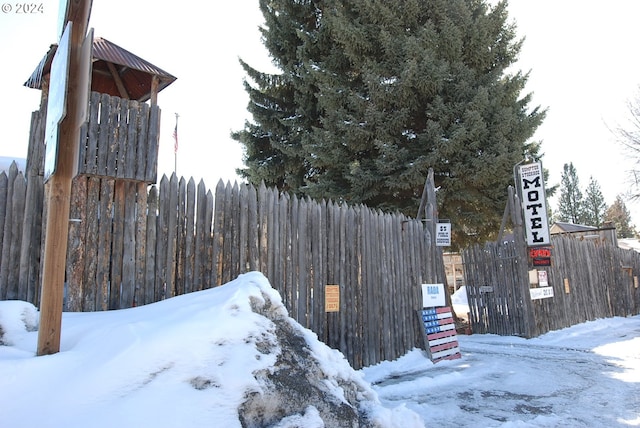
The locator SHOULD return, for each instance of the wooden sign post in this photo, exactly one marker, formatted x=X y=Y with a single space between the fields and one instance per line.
x=58 y=185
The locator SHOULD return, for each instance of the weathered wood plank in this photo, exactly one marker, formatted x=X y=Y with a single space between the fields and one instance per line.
x=4 y=187
x=181 y=237
x=114 y=132
x=284 y=243
x=122 y=144
x=172 y=236
x=107 y=190
x=127 y=298
x=218 y=233
x=104 y=134
x=76 y=245
x=5 y=256
x=253 y=252
x=200 y=236
x=243 y=229
x=235 y=229
x=142 y=145
x=31 y=237
x=189 y=236
x=92 y=234
x=117 y=246
x=148 y=293
x=302 y=264
x=89 y=161
x=162 y=234
x=227 y=270
x=208 y=269
x=140 y=241
x=130 y=153
x=263 y=227
x=153 y=139
x=17 y=209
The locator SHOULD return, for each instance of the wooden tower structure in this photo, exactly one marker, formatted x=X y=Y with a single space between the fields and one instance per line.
x=117 y=162
x=120 y=138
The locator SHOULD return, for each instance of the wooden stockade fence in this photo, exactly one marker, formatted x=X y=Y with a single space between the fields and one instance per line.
x=132 y=244
x=591 y=279
x=120 y=139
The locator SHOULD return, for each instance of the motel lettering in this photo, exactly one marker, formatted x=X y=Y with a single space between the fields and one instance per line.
x=534 y=204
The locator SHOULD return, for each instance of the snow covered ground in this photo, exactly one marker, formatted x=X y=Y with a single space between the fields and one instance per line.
x=186 y=362
x=583 y=376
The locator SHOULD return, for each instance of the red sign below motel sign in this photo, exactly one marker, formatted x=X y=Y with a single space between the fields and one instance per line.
x=540 y=256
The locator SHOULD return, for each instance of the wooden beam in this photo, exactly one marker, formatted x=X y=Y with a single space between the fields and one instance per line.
x=119 y=83
x=154 y=90
x=58 y=190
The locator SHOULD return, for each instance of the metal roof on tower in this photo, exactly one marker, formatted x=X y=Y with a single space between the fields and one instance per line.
x=115 y=71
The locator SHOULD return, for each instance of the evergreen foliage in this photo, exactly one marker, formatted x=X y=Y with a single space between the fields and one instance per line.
x=571 y=204
x=619 y=215
x=594 y=205
x=373 y=93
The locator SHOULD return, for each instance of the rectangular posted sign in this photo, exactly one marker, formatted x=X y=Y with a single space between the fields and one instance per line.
x=57 y=102
x=443 y=234
x=540 y=256
x=534 y=204
x=541 y=293
x=433 y=295
x=332 y=298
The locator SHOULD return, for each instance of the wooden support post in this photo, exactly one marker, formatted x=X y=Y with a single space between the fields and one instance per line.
x=59 y=190
x=521 y=250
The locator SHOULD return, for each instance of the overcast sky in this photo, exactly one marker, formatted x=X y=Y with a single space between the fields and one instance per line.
x=582 y=56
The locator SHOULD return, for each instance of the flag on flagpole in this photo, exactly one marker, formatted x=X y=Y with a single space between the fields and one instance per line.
x=175 y=137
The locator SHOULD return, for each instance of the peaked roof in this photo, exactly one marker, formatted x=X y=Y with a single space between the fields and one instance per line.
x=115 y=71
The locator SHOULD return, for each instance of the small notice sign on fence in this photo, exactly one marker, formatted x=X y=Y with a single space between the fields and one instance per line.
x=441 y=339
x=540 y=256
x=332 y=298
x=443 y=235
x=433 y=295
x=541 y=293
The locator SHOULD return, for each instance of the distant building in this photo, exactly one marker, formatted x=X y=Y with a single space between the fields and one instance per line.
x=606 y=233
x=629 y=244
x=454 y=270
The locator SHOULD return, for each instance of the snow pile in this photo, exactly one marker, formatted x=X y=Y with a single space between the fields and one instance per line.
x=460 y=303
x=16 y=318
x=228 y=356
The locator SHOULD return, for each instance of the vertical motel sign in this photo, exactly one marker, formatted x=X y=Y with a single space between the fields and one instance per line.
x=534 y=204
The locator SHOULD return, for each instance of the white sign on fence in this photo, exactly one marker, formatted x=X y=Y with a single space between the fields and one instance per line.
x=433 y=295
x=534 y=204
x=541 y=293
x=57 y=101
x=443 y=234
x=543 y=278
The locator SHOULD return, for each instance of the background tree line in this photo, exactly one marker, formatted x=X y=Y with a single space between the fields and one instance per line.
x=589 y=207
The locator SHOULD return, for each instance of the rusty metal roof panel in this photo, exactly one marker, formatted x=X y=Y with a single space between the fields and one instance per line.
x=110 y=52
x=134 y=71
x=35 y=80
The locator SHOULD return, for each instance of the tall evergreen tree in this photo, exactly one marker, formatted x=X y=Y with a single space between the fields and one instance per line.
x=383 y=90
x=283 y=108
x=619 y=215
x=570 y=205
x=594 y=205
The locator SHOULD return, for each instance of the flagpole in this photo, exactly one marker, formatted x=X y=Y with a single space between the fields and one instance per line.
x=175 y=146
